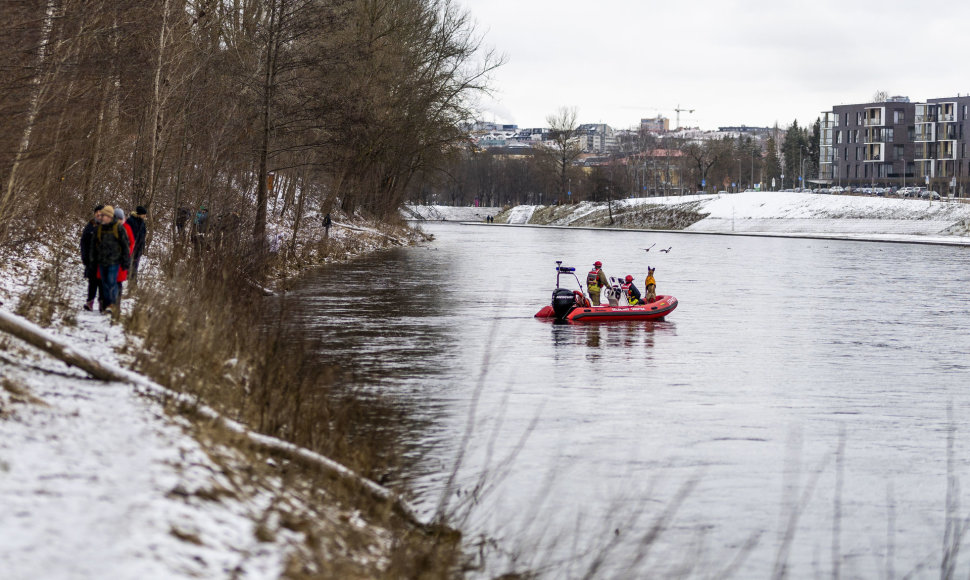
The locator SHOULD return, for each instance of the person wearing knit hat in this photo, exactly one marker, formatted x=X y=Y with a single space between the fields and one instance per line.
x=138 y=229
x=110 y=251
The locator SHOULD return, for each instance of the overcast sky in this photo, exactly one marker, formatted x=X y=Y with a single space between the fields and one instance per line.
x=751 y=62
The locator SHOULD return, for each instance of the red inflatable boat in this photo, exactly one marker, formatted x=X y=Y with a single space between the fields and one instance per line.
x=656 y=310
x=573 y=306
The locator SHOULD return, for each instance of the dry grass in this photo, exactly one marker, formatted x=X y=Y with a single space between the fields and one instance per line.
x=208 y=330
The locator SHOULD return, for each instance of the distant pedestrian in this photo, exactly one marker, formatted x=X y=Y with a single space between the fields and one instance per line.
x=90 y=268
x=327 y=222
x=199 y=227
x=123 y=272
x=275 y=243
x=139 y=229
x=110 y=251
x=182 y=218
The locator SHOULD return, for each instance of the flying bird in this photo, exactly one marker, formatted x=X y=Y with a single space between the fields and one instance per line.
x=666 y=250
x=648 y=249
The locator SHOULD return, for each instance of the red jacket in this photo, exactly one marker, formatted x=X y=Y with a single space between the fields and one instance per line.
x=122 y=273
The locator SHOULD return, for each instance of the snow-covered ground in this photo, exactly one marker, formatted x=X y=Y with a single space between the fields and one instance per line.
x=100 y=481
x=448 y=213
x=790 y=213
x=521 y=214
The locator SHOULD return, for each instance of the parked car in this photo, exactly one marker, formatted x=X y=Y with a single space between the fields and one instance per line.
x=837 y=189
x=931 y=195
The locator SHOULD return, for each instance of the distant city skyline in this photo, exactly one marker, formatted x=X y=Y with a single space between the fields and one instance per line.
x=751 y=62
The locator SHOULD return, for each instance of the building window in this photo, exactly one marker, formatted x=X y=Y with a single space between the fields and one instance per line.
x=899 y=115
x=858 y=118
x=897 y=151
x=838 y=137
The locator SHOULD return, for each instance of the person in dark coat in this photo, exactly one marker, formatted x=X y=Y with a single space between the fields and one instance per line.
x=181 y=218
x=327 y=222
x=138 y=228
x=110 y=252
x=90 y=269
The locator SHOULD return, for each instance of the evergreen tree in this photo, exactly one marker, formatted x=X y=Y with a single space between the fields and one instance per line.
x=795 y=154
x=814 y=150
x=772 y=164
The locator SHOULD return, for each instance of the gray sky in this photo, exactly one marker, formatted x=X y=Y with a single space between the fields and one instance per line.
x=751 y=62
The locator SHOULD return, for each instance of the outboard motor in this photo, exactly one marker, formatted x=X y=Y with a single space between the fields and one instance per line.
x=563 y=301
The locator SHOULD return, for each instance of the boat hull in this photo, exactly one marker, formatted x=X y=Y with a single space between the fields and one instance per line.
x=655 y=310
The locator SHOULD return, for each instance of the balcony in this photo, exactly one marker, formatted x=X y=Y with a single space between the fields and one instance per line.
x=873 y=122
x=947 y=118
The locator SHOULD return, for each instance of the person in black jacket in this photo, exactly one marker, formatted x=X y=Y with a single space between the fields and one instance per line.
x=90 y=269
x=137 y=223
x=109 y=251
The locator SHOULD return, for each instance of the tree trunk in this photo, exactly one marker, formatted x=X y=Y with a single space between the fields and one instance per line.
x=156 y=108
x=259 y=231
x=33 y=110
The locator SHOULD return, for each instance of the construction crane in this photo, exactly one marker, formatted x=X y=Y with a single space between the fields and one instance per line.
x=678 y=109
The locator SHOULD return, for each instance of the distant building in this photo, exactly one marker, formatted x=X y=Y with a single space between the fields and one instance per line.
x=897 y=142
x=745 y=130
x=658 y=125
x=596 y=138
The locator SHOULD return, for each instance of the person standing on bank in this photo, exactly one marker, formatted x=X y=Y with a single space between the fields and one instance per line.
x=110 y=252
x=327 y=222
x=90 y=268
x=138 y=228
x=596 y=280
x=123 y=271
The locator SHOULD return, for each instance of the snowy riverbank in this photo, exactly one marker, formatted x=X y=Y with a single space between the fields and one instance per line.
x=100 y=480
x=448 y=213
x=764 y=213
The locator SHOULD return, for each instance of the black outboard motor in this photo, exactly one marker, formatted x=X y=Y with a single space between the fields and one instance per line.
x=563 y=301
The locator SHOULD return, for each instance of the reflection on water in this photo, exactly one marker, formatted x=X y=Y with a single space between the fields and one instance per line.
x=777 y=347
x=616 y=335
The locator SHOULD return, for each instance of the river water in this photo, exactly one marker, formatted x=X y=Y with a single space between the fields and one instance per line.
x=795 y=410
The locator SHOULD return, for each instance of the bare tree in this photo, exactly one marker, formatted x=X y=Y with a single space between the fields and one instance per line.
x=563 y=145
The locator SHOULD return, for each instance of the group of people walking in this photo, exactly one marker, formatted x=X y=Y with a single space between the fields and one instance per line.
x=111 y=249
x=596 y=280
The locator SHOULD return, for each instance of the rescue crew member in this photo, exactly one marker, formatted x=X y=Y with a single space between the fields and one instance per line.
x=596 y=280
x=632 y=294
x=650 y=286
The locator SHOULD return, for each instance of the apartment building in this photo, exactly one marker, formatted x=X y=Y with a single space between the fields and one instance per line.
x=596 y=138
x=897 y=142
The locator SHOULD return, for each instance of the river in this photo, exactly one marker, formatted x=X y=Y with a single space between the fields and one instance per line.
x=795 y=410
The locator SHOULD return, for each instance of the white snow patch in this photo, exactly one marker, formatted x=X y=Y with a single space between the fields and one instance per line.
x=449 y=213
x=521 y=214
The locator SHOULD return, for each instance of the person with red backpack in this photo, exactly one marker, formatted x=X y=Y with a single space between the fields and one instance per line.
x=110 y=252
x=124 y=272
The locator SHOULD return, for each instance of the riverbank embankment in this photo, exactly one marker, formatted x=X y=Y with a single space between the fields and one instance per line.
x=782 y=214
x=103 y=479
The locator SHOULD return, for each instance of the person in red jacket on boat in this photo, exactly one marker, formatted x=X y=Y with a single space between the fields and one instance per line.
x=596 y=280
x=632 y=294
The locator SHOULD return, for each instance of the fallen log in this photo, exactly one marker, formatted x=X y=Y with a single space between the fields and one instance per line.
x=59 y=349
